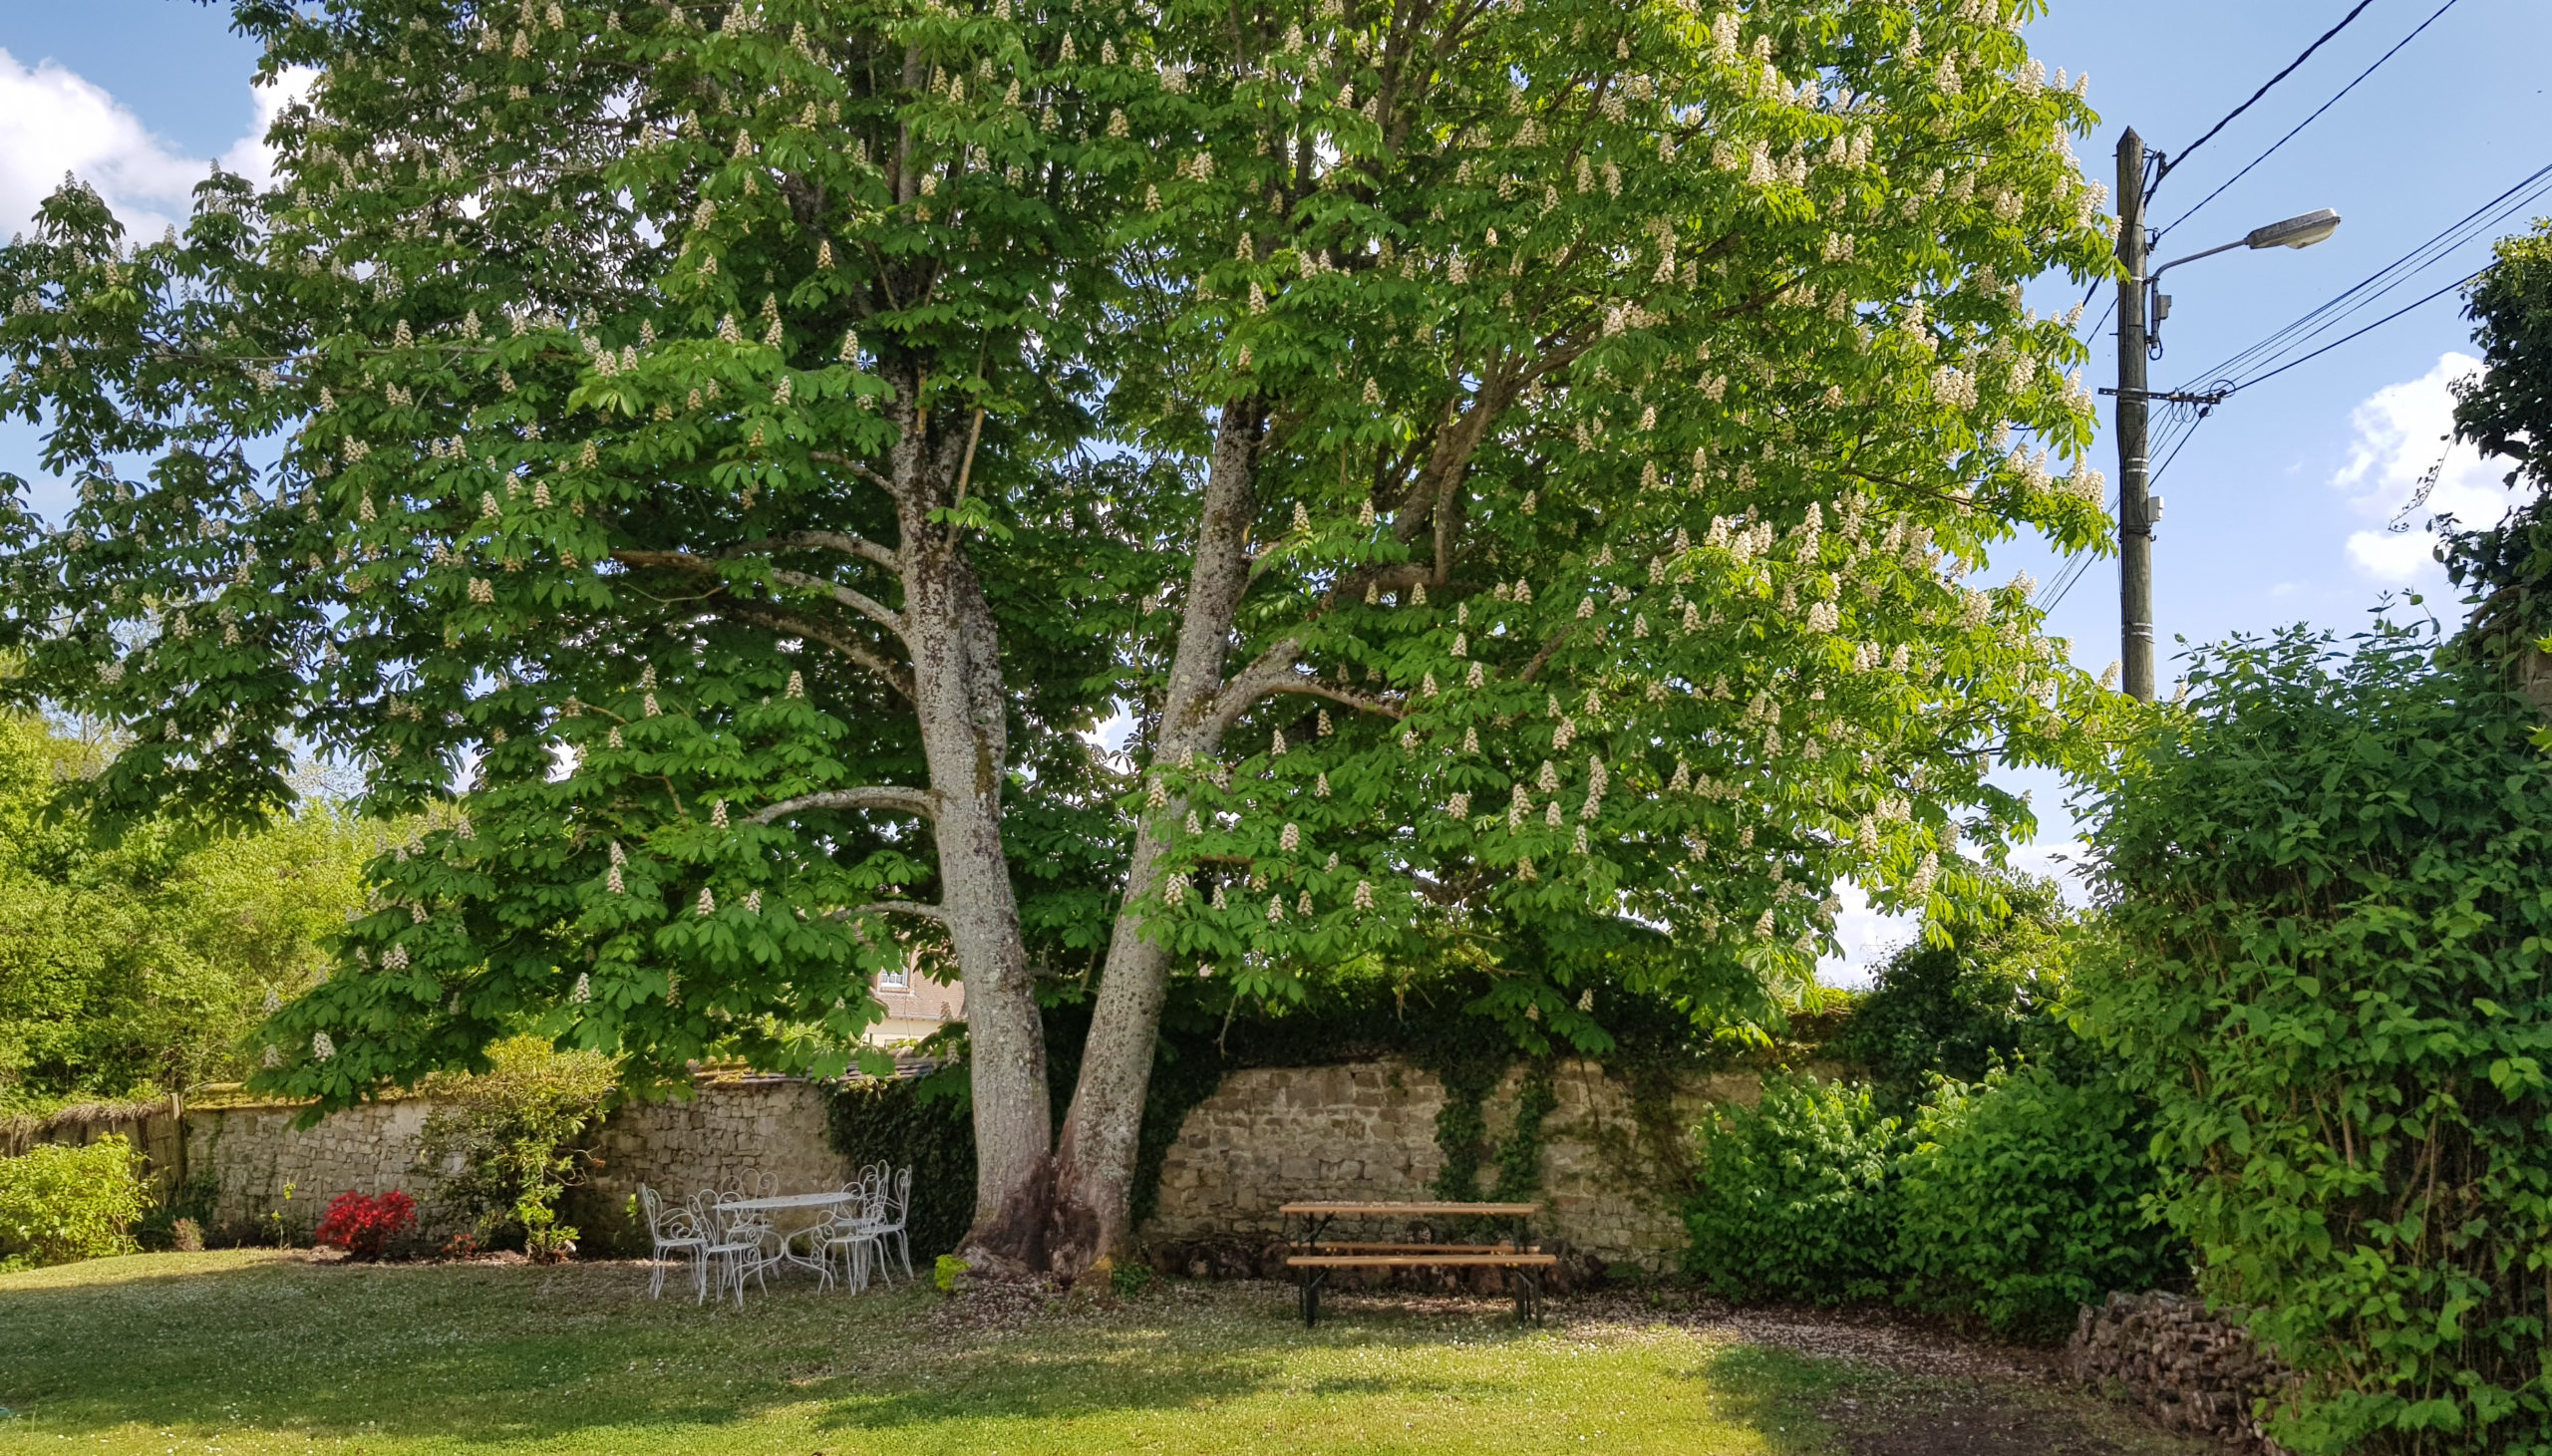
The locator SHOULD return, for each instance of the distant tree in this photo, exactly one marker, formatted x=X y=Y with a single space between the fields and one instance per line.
x=1967 y=994
x=2505 y=567
x=1516 y=463
x=141 y=963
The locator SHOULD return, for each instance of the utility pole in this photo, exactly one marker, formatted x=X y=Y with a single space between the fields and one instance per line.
x=2134 y=526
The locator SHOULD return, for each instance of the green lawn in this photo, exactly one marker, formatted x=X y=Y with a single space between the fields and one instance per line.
x=253 y=1352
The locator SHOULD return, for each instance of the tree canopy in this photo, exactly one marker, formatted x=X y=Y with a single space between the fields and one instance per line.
x=1515 y=466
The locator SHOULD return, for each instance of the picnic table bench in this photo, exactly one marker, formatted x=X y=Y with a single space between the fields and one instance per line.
x=1315 y=1256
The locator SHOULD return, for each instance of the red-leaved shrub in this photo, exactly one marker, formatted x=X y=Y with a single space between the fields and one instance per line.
x=361 y=1226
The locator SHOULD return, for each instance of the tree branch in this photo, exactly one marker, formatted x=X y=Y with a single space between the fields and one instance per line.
x=1542 y=659
x=866 y=605
x=857 y=601
x=856 y=468
x=892 y=907
x=1273 y=674
x=887 y=797
x=1315 y=688
x=896 y=674
x=841 y=541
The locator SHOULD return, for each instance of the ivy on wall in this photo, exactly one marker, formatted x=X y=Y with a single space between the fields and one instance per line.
x=1427 y=1023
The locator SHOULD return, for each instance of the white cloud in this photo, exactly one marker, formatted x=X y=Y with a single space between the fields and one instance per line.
x=54 y=120
x=2401 y=433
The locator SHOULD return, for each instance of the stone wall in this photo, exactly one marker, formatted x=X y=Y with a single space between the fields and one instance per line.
x=1365 y=1132
x=1269 y=1135
x=2164 y=1354
x=263 y=1168
x=729 y=1130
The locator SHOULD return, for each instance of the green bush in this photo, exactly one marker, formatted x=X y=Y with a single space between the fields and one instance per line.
x=500 y=1145
x=1965 y=995
x=2023 y=1197
x=1793 y=1198
x=60 y=1204
x=2329 y=877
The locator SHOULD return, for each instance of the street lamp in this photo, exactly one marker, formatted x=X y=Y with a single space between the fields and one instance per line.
x=2294 y=232
x=2137 y=512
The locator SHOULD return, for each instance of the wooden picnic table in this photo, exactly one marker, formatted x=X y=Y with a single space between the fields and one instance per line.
x=1315 y=1256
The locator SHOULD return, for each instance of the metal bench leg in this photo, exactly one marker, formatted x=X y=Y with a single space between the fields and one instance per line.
x=1312 y=1279
x=1528 y=1294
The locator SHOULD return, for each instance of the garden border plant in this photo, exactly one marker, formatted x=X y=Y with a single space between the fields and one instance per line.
x=61 y=1203
x=2329 y=878
x=499 y=1144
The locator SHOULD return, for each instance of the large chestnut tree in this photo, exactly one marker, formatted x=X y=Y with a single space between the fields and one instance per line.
x=1518 y=465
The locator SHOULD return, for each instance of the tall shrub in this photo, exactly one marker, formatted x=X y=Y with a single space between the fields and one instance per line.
x=1794 y=1199
x=60 y=1203
x=2024 y=1195
x=501 y=1143
x=2331 y=880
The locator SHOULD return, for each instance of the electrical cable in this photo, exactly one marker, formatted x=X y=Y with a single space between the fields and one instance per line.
x=2308 y=120
x=2175 y=434
x=2183 y=153
x=2245 y=366
x=2067 y=574
x=2274 y=351
x=2336 y=343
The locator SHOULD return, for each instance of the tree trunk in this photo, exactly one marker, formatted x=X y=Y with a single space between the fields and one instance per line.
x=1096 y=1155
x=1095 y=1159
x=963 y=715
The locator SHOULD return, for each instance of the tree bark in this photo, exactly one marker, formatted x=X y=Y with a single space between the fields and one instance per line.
x=1094 y=1157
x=964 y=719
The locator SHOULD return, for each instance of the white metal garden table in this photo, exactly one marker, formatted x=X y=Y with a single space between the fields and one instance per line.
x=784 y=1202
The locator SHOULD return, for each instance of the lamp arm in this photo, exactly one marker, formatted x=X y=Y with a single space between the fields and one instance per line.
x=2193 y=257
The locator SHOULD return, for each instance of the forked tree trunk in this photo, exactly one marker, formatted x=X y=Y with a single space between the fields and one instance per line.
x=1094 y=1158
x=1096 y=1155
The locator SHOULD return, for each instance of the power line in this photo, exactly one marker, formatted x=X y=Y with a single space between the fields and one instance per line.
x=2308 y=120
x=2332 y=313
x=2183 y=153
x=2379 y=323
x=2175 y=434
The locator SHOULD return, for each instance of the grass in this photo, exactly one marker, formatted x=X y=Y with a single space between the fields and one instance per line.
x=247 y=1352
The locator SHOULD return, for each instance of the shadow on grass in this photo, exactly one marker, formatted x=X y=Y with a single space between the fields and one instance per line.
x=502 y=1355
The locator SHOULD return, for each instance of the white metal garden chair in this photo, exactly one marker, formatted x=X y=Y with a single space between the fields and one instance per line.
x=754 y=1224
x=852 y=1228
x=737 y=1254
x=898 y=1198
x=677 y=1231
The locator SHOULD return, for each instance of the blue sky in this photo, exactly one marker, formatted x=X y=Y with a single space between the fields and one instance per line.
x=2278 y=503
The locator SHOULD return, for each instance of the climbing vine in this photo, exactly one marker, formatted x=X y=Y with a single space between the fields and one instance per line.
x=1427 y=1021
